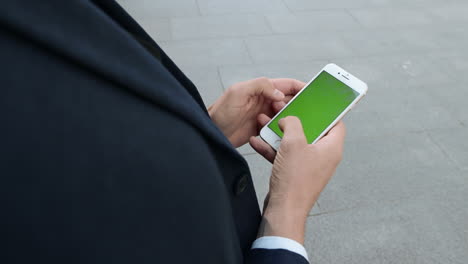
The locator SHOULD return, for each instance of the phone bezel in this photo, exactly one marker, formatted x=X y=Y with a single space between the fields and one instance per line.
x=350 y=80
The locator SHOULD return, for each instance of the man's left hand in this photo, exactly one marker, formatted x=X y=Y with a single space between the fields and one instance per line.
x=247 y=106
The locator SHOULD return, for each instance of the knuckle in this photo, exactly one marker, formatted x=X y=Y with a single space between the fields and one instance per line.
x=234 y=88
x=262 y=80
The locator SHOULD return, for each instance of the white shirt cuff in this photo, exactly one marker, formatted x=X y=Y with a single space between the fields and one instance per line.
x=275 y=242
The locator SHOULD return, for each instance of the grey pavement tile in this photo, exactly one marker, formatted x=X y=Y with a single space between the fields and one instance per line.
x=210 y=7
x=452 y=37
x=396 y=150
x=158 y=28
x=426 y=71
x=391 y=17
x=407 y=40
x=260 y=169
x=312 y=21
x=303 y=71
x=387 y=167
x=362 y=123
x=207 y=81
x=411 y=110
x=363 y=42
x=454 y=143
x=288 y=48
x=207 y=52
x=456 y=67
x=420 y=230
x=219 y=26
x=415 y=40
x=145 y=9
x=349 y=189
x=451 y=13
x=371 y=42
x=452 y=95
x=336 y=4
x=316 y=4
x=401 y=92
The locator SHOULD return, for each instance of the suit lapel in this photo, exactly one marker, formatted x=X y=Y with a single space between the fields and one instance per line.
x=83 y=34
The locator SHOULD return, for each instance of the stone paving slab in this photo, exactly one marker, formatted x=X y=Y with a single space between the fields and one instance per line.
x=142 y=9
x=216 y=7
x=285 y=48
x=219 y=26
x=454 y=144
x=209 y=52
x=425 y=229
x=312 y=21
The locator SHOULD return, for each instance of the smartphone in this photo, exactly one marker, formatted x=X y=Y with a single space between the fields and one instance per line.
x=319 y=105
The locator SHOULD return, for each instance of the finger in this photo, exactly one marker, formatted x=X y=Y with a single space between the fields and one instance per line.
x=263 y=119
x=292 y=129
x=288 y=86
x=262 y=148
x=264 y=86
x=277 y=106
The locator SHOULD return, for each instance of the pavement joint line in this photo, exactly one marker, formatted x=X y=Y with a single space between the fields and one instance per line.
x=287 y=7
x=268 y=24
x=442 y=150
x=362 y=205
x=318 y=205
x=198 y=8
x=246 y=47
x=354 y=18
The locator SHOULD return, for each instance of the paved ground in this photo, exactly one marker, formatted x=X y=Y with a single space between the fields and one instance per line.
x=401 y=193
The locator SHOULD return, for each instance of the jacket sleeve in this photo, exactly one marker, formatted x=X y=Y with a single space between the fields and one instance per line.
x=274 y=256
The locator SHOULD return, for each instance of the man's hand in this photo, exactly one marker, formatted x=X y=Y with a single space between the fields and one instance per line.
x=246 y=107
x=300 y=173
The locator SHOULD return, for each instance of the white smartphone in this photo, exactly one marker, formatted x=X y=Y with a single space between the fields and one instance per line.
x=319 y=105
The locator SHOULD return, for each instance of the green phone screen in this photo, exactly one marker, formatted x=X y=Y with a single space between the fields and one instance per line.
x=322 y=101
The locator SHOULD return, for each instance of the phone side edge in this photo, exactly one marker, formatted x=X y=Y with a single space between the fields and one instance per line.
x=270 y=137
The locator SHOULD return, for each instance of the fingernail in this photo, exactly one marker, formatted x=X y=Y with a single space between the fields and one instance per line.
x=277 y=93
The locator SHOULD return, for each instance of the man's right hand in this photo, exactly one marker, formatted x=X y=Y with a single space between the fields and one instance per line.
x=300 y=173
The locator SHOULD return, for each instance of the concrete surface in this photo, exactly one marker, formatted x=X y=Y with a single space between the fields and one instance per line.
x=401 y=192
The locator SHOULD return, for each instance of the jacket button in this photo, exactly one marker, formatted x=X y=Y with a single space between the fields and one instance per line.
x=241 y=184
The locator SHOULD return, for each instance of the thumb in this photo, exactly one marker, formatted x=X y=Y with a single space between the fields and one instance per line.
x=292 y=129
x=265 y=87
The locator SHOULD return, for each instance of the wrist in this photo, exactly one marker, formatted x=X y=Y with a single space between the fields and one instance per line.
x=283 y=222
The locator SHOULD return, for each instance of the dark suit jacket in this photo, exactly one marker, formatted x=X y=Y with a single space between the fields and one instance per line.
x=107 y=152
